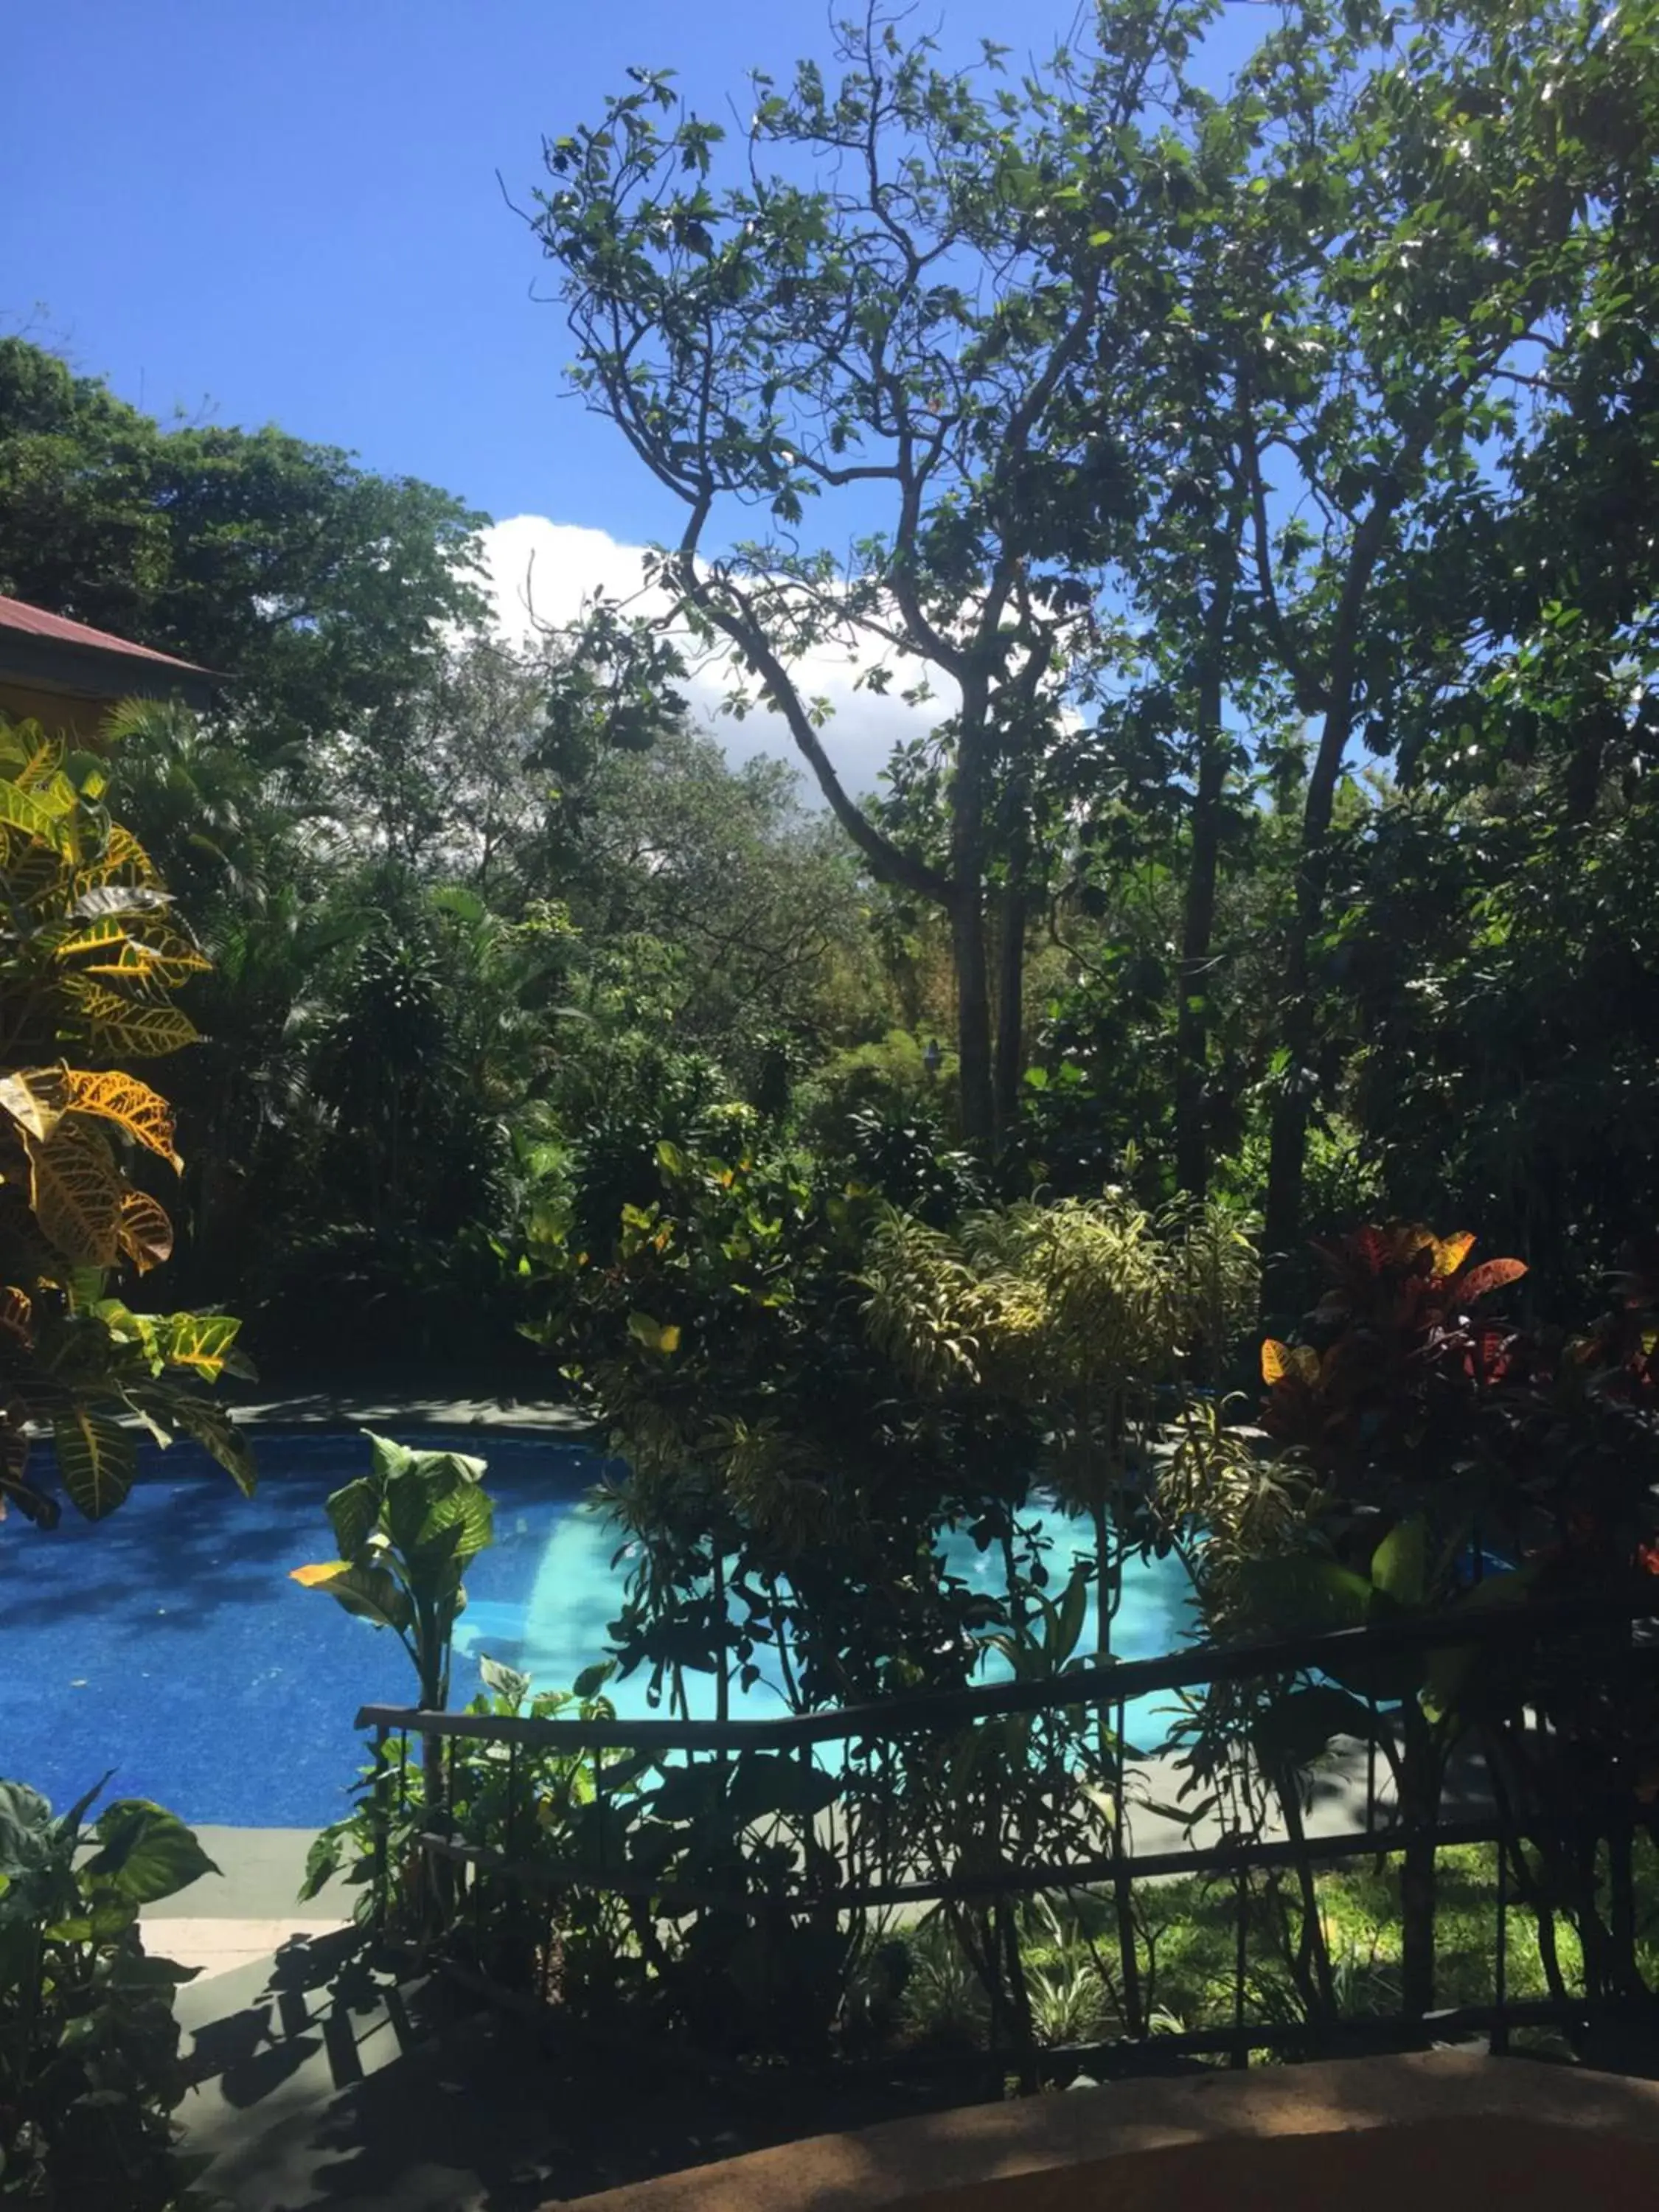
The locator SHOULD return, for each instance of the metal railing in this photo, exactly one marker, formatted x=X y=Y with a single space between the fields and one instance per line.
x=672 y=1823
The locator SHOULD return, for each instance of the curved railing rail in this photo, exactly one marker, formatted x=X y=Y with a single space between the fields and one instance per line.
x=1126 y=1681
x=871 y=1825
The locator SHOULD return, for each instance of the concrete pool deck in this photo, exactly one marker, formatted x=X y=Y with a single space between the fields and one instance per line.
x=250 y=1909
x=328 y=1407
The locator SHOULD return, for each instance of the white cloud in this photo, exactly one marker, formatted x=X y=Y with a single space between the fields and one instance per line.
x=541 y=571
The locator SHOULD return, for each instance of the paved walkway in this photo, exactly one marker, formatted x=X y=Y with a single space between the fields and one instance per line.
x=239 y=1916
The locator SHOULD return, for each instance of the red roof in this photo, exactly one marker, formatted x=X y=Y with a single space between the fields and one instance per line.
x=35 y=621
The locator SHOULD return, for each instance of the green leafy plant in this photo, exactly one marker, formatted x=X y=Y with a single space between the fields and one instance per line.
x=488 y=1796
x=406 y=1532
x=1067 y=1993
x=91 y=2072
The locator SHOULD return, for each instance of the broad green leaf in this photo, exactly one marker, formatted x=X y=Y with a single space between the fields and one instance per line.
x=373 y=1593
x=462 y=1522
x=1447 y=1669
x=1294 y=1596
x=1072 y=1613
x=506 y=1681
x=654 y=1336
x=352 y=1512
x=212 y=1428
x=1400 y=1565
x=25 y=1829
x=145 y=1852
x=322 y=1863
x=388 y=1458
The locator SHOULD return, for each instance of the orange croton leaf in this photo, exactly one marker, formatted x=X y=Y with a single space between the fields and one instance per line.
x=1491 y=1275
x=16 y=1314
x=1280 y=1361
x=145 y=1234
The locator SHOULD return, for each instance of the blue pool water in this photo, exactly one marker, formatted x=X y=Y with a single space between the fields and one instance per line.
x=169 y=1643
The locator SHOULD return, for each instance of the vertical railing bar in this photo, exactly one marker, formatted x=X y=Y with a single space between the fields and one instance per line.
x=382 y=1828
x=1240 y=1960
x=1500 y=2032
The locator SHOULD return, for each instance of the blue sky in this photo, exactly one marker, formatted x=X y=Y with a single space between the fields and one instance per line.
x=288 y=210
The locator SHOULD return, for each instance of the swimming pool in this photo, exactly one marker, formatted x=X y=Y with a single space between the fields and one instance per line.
x=168 y=1643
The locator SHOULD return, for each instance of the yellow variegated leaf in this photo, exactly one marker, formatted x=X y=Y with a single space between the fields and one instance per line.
x=131 y=1105
x=145 y=1234
x=320 y=1575
x=37 y=819
x=1275 y=1360
x=202 y=1342
x=97 y=1459
x=160 y=957
x=77 y=1194
x=42 y=761
x=119 y=1025
x=1450 y=1252
x=71 y=938
x=123 y=859
x=37 y=1098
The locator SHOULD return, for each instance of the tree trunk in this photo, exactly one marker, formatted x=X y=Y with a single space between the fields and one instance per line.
x=968 y=933
x=1287 y=1143
x=1011 y=1006
x=1197 y=932
x=1288 y=1135
x=972 y=1023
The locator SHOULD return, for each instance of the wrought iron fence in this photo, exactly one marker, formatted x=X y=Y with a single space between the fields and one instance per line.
x=732 y=1879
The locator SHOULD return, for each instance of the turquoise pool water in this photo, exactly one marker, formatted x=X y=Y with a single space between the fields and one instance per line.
x=169 y=1645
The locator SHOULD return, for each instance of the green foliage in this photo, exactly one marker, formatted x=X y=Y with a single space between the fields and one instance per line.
x=406 y=1532
x=90 y=2070
x=714 y=1325
x=319 y=586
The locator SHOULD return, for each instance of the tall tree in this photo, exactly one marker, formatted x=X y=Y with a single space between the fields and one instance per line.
x=317 y=587
x=880 y=307
x=1425 y=222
